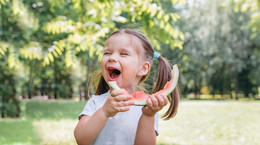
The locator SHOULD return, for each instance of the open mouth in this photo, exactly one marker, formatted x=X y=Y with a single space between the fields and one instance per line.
x=113 y=73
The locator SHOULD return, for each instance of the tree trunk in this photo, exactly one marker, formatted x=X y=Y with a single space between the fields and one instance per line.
x=2 y=112
x=3 y=37
x=195 y=87
x=29 y=87
x=41 y=89
x=87 y=81
x=235 y=83
x=86 y=87
x=54 y=81
x=70 y=92
x=80 y=92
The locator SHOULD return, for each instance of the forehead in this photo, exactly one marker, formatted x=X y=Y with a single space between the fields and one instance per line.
x=125 y=41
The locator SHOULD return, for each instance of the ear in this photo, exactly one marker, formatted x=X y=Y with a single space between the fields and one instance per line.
x=144 y=69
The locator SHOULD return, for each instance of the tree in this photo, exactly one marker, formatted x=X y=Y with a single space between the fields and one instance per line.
x=49 y=39
x=217 y=46
x=252 y=6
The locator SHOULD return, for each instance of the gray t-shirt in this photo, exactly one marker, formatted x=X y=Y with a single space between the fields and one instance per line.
x=119 y=129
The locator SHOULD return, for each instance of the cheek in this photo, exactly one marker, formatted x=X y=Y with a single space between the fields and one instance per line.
x=103 y=62
x=132 y=67
x=103 y=66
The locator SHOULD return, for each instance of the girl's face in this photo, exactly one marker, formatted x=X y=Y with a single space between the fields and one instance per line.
x=124 y=61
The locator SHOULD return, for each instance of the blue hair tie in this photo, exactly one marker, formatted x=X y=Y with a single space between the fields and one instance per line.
x=156 y=55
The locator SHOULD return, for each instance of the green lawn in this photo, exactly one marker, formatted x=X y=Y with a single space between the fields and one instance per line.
x=209 y=122
x=197 y=122
x=42 y=123
x=18 y=131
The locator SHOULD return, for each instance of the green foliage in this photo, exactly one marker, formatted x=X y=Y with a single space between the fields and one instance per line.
x=8 y=54
x=31 y=51
x=3 y=48
x=252 y=6
x=94 y=20
x=24 y=18
x=217 y=49
x=3 y=2
x=9 y=103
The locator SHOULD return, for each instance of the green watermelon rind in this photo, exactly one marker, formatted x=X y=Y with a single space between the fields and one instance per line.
x=139 y=103
x=113 y=85
x=173 y=81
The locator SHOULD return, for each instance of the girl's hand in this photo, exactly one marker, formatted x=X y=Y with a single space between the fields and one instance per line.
x=154 y=104
x=116 y=102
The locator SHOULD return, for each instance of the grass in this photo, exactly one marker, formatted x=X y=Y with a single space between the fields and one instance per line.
x=197 y=122
x=54 y=110
x=18 y=131
x=208 y=122
x=42 y=123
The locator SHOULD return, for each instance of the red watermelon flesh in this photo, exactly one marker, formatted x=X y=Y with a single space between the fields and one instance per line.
x=139 y=98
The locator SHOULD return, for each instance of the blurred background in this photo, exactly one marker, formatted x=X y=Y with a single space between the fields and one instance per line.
x=50 y=50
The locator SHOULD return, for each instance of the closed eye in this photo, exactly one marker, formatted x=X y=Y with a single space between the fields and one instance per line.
x=106 y=53
x=123 y=53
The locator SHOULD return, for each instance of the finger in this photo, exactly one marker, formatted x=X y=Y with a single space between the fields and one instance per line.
x=122 y=109
x=160 y=100
x=165 y=99
x=154 y=101
x=125 y=103
x=117 y=92
x=122 y=97
x=149 y=102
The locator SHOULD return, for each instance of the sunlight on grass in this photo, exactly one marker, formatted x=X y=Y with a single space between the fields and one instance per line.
x=54 y=110
x=56 y=132
x=197 y=122
x=17 y=131
x=212 y=123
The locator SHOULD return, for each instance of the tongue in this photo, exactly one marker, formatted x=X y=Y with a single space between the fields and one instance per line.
x=113 y=75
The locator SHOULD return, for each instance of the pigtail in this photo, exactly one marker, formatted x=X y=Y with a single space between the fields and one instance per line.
x=164 y=75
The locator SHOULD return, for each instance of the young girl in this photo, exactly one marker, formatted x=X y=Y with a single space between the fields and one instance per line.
x=108 y=119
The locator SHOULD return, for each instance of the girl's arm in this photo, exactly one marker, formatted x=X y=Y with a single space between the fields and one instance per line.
x=88 y=128
x=145 y=131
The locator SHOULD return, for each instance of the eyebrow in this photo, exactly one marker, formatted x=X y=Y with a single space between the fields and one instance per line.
x=123 y=49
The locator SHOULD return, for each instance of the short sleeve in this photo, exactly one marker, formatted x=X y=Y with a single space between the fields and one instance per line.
x=89 y=109
x=156 y=124
x=93 y=104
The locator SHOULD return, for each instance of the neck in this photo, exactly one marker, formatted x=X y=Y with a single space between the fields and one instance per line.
x=131 y=91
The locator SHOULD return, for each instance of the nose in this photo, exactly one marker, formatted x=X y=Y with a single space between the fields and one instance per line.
x=113 y=58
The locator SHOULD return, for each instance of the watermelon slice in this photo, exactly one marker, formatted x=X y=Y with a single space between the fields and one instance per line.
x=140 y=97
x=170 y=85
